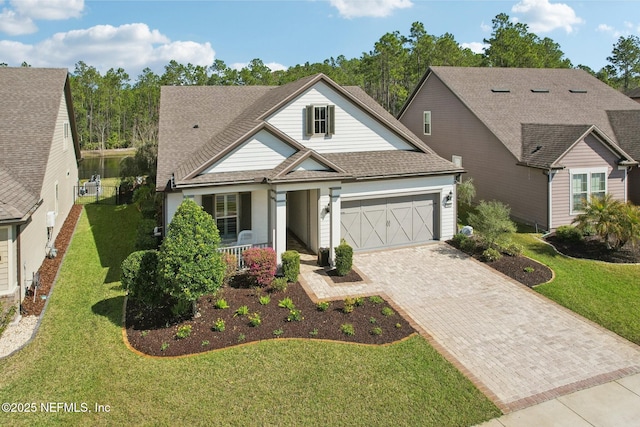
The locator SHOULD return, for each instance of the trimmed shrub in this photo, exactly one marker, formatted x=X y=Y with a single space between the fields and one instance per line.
x=139 y=277
x=468 y=245
x=262 y=264
x=344 y=258
x=459 y=239
x=189 y=264
x=491 y=254
x=569 y=233
x=291 y=265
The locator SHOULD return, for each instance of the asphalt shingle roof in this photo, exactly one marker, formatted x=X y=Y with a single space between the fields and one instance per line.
x=31 y=100
x=199 y=124
x=505 y=99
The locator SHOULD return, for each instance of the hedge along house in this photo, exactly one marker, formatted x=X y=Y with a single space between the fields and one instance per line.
x=39 y=155
x=540 y=140
x=309 y=158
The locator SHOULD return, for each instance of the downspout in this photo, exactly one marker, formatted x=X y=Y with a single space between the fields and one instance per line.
x=550 y=175
x=18 y=263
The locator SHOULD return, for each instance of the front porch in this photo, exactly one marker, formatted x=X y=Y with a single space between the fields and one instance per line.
x=311 y=211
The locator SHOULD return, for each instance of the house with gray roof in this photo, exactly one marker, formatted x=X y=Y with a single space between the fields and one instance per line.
x=38 y=165
x=310 y=159
x=540 y=140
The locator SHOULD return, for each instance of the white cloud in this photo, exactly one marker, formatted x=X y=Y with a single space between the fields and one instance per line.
x=15 y=25
x=18 y=19
x=543 y=17
x=604 y=28
x=51 y=10
x=486 y=28
x=368 y=8
x=475 y=47
x=131 y=46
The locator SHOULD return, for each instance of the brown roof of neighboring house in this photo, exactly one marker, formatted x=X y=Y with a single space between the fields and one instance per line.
x=30 y=105
x=200 y=124
x=505 y=99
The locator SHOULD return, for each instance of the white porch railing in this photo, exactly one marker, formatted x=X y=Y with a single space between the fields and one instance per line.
x=237 y=251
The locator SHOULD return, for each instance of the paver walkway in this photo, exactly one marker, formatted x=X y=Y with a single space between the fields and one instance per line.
x=518 y=347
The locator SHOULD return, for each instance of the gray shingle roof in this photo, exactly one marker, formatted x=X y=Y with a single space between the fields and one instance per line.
x=226 y=115
x=539 y=96
x=626 y=126
x=31 y=100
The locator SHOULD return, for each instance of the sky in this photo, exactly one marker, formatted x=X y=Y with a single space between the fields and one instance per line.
x=149 y=33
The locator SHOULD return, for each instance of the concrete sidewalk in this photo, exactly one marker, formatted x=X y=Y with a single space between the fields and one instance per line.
x=518 y=347
x=614 y=404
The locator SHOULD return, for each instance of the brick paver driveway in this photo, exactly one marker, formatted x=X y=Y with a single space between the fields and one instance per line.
x=517 y=346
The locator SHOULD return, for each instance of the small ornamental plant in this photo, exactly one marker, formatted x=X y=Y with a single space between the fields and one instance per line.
x=286 y=303
x=386 y=311
x=219 y=325
x=221 y=304
x=255 y=319
x=264 y=300
x=262 y=265
x=243 y=310
x=323 y=305
x=348 y=329
x=183 y=331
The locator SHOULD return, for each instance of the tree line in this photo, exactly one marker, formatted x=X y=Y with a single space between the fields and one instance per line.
x=112 y=111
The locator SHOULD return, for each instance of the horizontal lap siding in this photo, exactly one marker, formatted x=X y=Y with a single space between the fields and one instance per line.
x=589 y=153
x=264 y=151
x=457 y=131
x=354 y=129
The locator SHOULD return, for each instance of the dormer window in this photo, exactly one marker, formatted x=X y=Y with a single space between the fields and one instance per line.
x=320 y=120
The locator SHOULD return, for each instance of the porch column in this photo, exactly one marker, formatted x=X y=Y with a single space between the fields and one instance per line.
x=334 y=227
x=279 y=223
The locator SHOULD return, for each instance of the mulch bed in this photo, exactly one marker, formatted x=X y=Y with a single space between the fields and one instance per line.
x=350 y=277
x=592 y=248
x=520 y=268
x=50 y=266
x=149 y=332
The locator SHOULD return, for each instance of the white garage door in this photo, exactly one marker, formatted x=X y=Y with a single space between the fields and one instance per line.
x=397 y=221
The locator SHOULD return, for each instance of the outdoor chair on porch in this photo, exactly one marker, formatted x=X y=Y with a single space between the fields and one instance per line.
x=246 y=237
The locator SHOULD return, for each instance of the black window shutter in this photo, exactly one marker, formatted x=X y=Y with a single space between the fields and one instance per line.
x=309 y=120
x=331 y=119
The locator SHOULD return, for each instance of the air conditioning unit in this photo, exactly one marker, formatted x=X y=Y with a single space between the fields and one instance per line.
x=51 y=219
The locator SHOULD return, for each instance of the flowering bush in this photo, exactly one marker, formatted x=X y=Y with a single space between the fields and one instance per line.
x=262 y=264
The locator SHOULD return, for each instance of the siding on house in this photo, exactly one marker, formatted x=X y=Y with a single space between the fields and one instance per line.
x=457 y=131
x=263 y=151
x=61 y=170
x=633 y=185
x=355 y=130
x=4 y=259
x=587 y=154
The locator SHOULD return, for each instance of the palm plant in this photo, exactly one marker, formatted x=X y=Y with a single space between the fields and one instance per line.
x=606 y=217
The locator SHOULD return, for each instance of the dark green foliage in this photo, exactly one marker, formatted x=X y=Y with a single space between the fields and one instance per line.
x=344 y=258
x=189 y=265
x=139 y=277
x=569 y=233
x=144 y=235
x=291 y=265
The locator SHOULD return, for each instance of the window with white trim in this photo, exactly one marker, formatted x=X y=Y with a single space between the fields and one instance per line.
x=586 y=183
x=427 y=123
x=226 y=209
x=320 y=120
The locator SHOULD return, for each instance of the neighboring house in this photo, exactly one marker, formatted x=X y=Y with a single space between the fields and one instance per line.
x=38 y=166
x=540 y=140
x=634 y=94
x=320 y=160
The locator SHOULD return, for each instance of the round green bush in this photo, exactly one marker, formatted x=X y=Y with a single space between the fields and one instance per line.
x=139 y=277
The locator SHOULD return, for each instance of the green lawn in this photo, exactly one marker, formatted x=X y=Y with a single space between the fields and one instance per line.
x=79 y=356
x=607 y=294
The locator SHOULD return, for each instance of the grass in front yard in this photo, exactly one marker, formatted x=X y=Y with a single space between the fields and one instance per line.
x=608 y=294
x=78 y=356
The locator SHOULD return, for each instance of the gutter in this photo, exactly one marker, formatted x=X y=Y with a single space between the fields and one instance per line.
x=25 y=218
